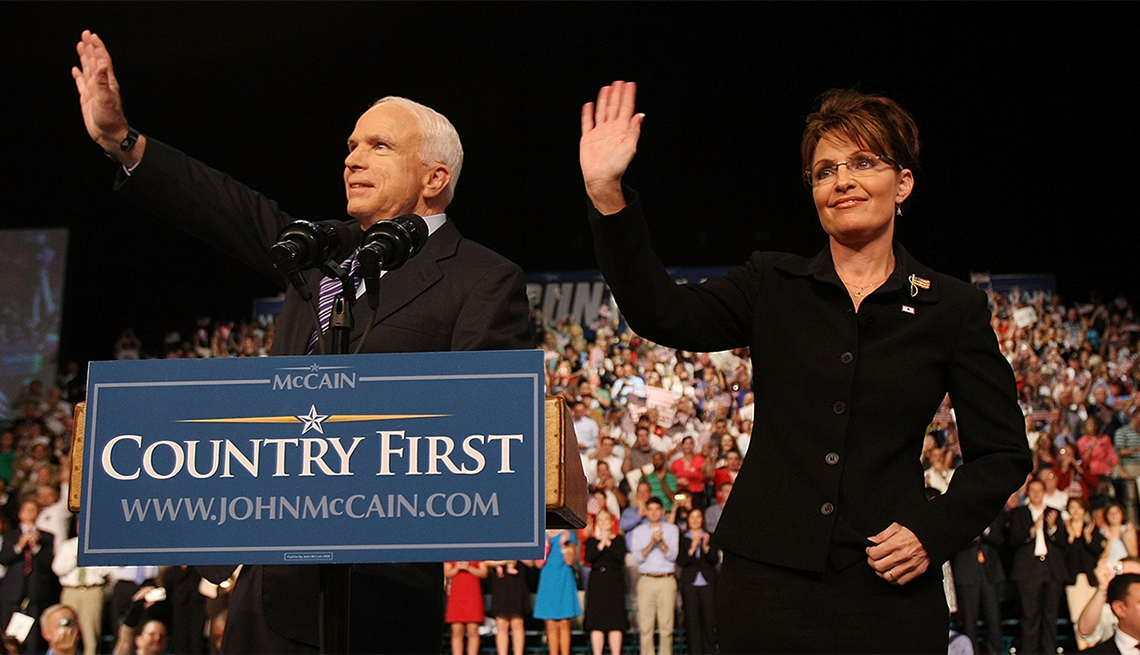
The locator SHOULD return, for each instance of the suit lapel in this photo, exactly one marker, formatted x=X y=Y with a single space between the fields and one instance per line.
x=405 y=284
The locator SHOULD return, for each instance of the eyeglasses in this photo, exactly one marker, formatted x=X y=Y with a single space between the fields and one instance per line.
x=860 y=165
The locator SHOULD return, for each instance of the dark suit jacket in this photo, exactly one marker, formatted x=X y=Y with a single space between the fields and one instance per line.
x=842 y=398
x=37 y=587
x=454 y=295
x=1106 y=646
x=704 y=563
x=968 y=570
x=1026 y=565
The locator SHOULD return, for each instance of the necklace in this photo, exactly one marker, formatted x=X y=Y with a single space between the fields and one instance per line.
x=858 y=290
x=858 y=293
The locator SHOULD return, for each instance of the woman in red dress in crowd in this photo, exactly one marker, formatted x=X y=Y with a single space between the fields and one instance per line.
x=465 y=603
x=1098 y=455
x=690 y=471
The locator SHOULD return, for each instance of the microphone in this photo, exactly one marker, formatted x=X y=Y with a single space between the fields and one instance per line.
x=302 y=245
x=386 y=246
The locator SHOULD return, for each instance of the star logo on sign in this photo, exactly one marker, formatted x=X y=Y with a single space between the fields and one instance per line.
x=315 y=368
x=312 y=421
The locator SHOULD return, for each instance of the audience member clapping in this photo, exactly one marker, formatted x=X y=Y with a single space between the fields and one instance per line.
x=697 y=560
x=606 y=619
x=1119 y=536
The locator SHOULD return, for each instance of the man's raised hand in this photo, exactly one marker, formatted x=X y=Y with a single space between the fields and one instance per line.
x=610 y=130
x=99 y=99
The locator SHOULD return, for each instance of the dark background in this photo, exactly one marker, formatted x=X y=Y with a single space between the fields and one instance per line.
x=1029 y=140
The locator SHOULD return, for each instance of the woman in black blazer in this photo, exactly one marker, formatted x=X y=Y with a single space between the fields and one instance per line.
x=697 y=558
x=829 y=542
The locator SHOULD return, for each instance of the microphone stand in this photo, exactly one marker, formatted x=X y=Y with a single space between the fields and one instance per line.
x=336 y=579
x=340 y=322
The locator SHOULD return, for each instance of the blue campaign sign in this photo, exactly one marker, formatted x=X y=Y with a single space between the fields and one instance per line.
x=335 y=458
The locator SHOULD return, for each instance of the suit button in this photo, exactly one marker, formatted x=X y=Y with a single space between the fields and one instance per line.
x=832 y=458
x=827 y=509
x=846 y=358
x=839 y=407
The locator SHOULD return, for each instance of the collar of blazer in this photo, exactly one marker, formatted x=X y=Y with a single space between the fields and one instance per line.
x=916 y=281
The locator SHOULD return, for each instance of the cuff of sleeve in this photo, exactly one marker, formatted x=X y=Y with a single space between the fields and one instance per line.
x=631 y=198
x=158 y=154
x=625 y=226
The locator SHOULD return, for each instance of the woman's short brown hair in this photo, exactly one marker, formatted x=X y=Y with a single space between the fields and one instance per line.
x=872 y=121
x=1083 y=503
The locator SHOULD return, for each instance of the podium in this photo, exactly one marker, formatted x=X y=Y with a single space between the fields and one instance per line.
x=411 y=457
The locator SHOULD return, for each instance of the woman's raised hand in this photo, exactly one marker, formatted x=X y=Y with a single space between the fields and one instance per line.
x=610 y=130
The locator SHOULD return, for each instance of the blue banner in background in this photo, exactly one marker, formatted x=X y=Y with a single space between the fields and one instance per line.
x=345 y=458
x=584 y=296
x=1024 y=288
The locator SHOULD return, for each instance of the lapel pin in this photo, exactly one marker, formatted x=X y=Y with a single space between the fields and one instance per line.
x=917 y=283
x=908 y=309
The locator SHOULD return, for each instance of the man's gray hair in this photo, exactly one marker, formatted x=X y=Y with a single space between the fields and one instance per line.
x=440 y=142
x=52 y=609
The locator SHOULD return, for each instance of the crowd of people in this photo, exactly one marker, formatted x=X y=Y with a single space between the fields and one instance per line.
x=662 y=435
x=48 y=603
x=205 y=339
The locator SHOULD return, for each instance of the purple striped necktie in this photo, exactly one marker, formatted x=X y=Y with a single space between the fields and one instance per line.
x=329 y=288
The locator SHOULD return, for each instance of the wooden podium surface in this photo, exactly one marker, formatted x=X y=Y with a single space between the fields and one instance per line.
x=566 y=490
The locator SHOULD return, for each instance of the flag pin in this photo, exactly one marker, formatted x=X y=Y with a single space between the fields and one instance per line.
x=908 y=309
x=917 y=283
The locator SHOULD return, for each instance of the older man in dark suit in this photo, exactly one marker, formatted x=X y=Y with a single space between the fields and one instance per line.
x=454 y=295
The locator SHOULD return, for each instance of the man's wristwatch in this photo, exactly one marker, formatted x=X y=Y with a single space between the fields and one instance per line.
x=128 y=141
